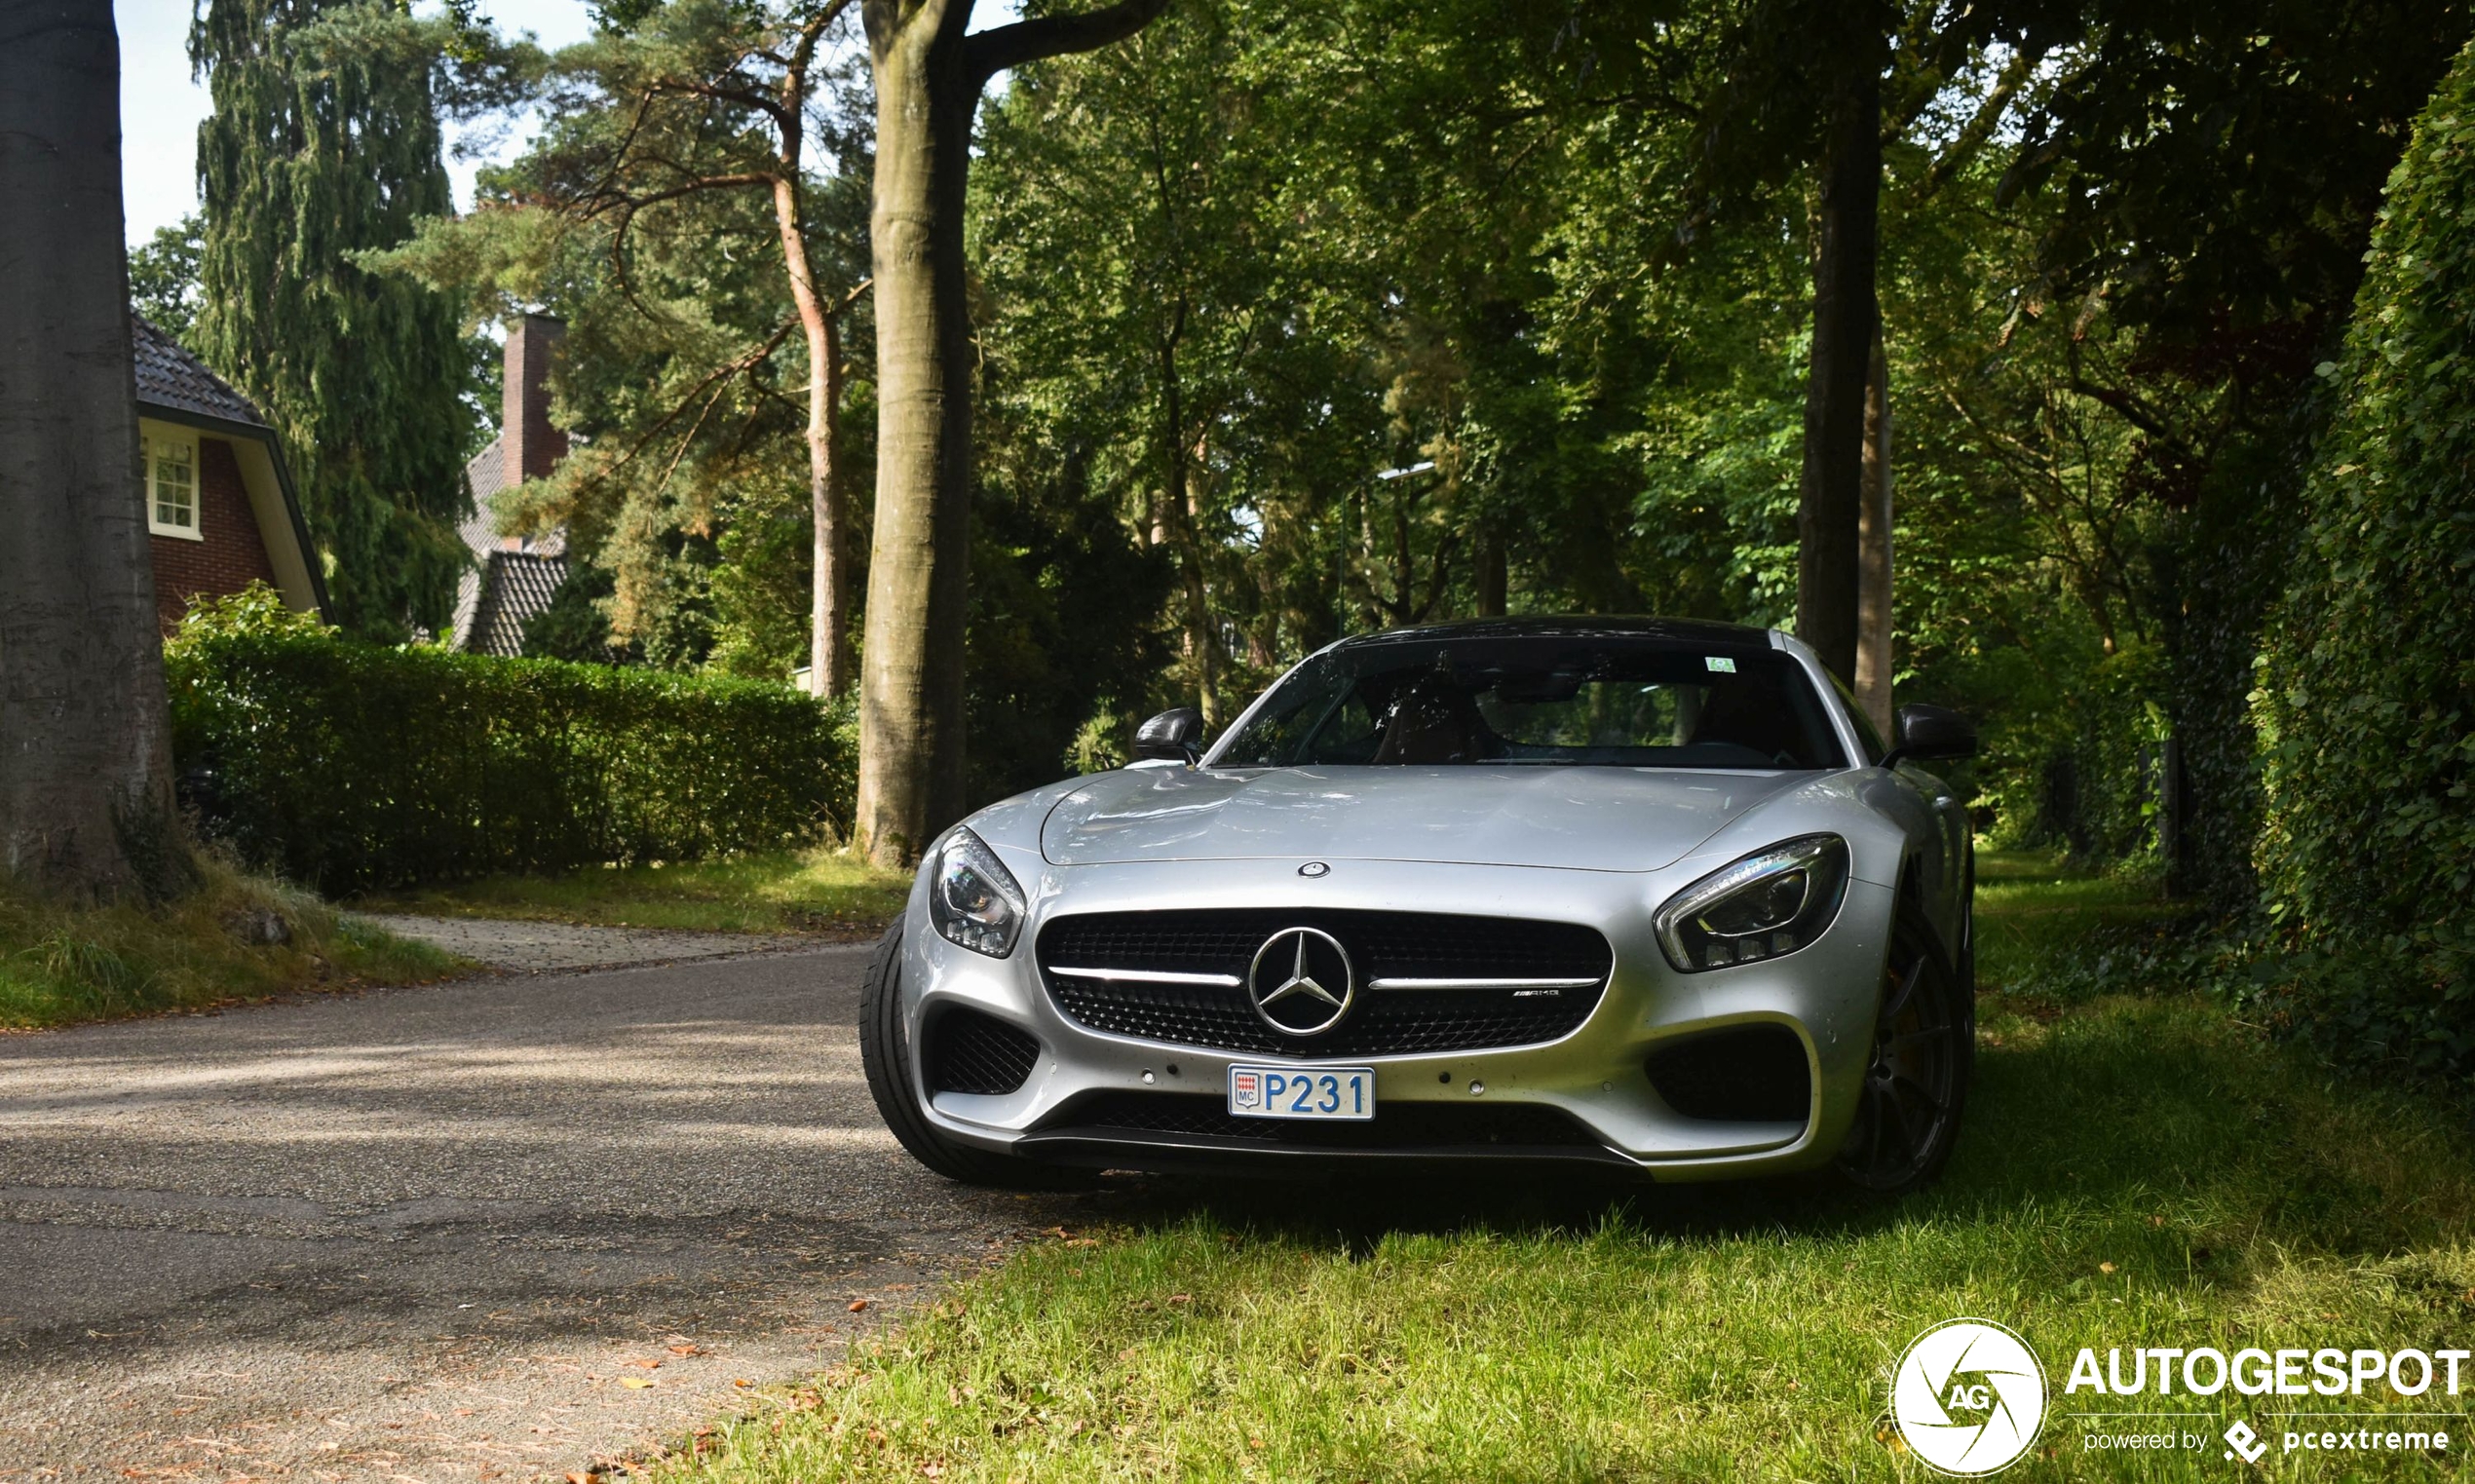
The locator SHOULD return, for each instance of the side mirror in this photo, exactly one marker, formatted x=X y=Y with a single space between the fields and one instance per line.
x=1929 y=734
x=1175 y=736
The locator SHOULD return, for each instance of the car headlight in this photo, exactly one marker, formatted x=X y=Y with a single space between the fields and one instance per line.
x=972 y=898
x=1772 y=903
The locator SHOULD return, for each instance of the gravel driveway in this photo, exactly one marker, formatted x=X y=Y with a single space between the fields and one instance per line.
x=536 y=948
x=451 y=1232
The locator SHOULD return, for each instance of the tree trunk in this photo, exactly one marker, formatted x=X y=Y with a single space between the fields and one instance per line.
x=829 y=600
x=827 y=669
x=1873 y=623
x=911 y=689
x=1491 y=575
x=830 y=616
x=1844 y=322
x=86 y=808
x=1178 y=499
x=929 y=76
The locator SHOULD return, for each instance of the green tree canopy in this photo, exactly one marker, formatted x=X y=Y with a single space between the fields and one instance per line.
x=325 y=143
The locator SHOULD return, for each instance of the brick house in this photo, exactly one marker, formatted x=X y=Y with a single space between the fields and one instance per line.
x=513 y=578
x=220 y=508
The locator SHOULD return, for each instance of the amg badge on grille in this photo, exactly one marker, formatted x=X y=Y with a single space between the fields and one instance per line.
x=1301 y=981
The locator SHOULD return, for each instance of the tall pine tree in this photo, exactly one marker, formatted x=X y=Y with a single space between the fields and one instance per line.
x=325 y=142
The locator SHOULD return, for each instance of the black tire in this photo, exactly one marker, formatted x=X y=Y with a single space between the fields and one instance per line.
x=1916 y=1077
x=886 y=1058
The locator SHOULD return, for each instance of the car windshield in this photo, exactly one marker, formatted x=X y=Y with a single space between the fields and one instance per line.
x=1618 y=702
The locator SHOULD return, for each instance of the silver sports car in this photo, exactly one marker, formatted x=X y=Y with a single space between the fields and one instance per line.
x=1644 y=894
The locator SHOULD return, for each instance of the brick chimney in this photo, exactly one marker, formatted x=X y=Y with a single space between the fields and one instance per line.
x=531 y=446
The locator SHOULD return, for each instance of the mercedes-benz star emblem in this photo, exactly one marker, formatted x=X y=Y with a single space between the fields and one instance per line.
x=1301 y=981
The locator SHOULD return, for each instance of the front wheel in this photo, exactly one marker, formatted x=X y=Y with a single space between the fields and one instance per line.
x=1917 y=1078
x=884 y=1057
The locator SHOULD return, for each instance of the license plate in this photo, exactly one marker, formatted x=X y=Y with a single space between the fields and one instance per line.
x=1338 y=1093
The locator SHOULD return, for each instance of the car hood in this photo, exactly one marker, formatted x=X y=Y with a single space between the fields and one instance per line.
x=1586 y=818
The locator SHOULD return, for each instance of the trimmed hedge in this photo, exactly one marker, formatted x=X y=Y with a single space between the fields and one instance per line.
x=2366 y=701
x=344 y=765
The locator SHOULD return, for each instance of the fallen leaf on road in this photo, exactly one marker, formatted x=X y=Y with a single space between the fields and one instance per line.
x=687 y=1349
x=742 y=1381
x=635 y=1382
x=858 y=1304
x=579 y=1478
x=650 y=1365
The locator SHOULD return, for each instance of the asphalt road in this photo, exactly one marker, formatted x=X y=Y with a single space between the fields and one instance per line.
x=437 y=1232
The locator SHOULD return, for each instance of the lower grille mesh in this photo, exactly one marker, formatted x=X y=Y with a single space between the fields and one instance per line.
x=968 y=1051
x=1381 y=944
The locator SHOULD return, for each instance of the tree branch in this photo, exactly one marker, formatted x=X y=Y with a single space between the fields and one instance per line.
x=1981 y=124
x=744 y=97
x=804 y=51
x=748 y=361
x=989 y=52
x=635 y=204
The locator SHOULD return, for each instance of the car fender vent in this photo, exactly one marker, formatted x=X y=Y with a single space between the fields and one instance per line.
x=1745 y=1074
x=966 y=1050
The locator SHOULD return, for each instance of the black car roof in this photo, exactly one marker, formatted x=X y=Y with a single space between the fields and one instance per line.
x=1578 y=626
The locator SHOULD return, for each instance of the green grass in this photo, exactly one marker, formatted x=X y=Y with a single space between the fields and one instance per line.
x=2058 y=932
x=783 y=891
x=59 y=965
x=2136 y=1170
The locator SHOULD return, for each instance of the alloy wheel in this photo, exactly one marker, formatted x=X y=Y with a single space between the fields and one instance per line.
x=1908 y=1111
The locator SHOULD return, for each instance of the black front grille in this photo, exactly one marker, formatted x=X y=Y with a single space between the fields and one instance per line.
x=1754 y=1074
x=1383 y=1022
x=1395 y=1126
x=968 y=1051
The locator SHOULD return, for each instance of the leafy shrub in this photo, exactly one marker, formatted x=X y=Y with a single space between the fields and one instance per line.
x=346 y=765
x=2227 y=561
x=2366 y=695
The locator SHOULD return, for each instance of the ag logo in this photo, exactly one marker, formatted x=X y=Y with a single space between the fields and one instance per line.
x=1968 y=1396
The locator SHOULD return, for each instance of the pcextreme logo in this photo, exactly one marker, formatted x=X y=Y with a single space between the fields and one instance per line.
x=1968 y=1398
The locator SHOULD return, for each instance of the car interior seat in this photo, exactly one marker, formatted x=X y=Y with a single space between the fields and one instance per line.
x=1435 y=721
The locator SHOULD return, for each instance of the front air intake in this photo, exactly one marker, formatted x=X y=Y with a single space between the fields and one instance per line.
x=1745 y=1074
x=965 y=1050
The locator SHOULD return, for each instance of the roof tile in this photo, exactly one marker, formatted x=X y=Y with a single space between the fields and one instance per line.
x=169 y=377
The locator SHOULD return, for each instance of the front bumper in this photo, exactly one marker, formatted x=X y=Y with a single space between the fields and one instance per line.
x=1826 y=994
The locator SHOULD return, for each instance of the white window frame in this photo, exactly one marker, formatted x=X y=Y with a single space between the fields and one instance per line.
x=152 y=447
